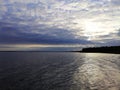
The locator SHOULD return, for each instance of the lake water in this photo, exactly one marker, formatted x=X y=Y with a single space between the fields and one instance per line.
x=59 y=71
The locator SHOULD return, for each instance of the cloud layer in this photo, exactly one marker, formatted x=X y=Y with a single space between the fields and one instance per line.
x=81 y=22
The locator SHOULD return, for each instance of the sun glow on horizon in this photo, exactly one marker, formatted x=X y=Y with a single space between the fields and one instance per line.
x=92 y=29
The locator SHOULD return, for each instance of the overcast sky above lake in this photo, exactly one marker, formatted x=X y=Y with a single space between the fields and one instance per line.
x=58 y=24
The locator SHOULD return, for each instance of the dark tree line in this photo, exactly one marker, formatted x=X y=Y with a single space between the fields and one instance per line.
x=110 y=49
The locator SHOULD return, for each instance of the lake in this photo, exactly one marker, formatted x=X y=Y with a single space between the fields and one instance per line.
x=59 y=71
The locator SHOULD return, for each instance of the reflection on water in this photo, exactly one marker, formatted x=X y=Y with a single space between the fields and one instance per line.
x=59 y=71
x=98 y=73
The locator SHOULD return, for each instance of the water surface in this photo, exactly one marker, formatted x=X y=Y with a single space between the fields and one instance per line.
x=59 y=71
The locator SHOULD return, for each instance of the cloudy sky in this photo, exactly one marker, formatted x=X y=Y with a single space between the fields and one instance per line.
x=58 y=24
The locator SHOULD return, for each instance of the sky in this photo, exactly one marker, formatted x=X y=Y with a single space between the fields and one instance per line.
x=50 y=25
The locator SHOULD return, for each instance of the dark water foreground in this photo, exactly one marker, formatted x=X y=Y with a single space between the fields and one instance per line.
x=59 y=71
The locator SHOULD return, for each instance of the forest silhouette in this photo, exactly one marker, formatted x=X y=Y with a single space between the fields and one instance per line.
x=105 y=49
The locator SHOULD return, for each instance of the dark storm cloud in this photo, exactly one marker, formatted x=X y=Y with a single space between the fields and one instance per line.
x=111 y=39
x=115 y=2
x=118 y=32
x=14 y=33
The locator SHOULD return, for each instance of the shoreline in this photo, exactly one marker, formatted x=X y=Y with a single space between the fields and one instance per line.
x=112 y=49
